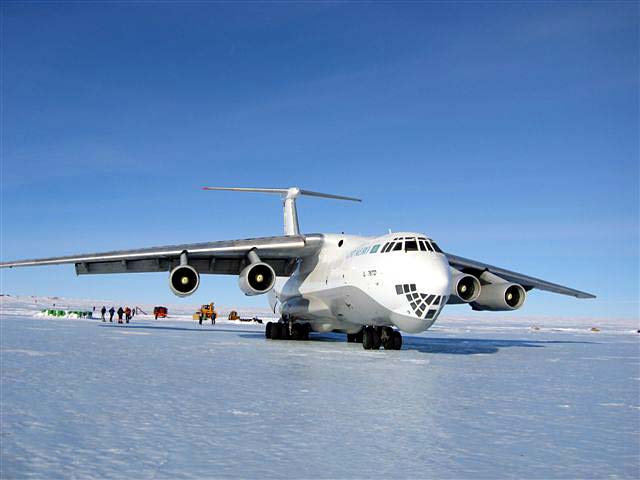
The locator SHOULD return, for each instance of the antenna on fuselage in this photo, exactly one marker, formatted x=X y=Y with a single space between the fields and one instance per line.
x=289 y=196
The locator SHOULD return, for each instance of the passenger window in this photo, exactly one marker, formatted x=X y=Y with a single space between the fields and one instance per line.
x=436 y=247
x=410 y=246
x=374 y=249
x=398 y=246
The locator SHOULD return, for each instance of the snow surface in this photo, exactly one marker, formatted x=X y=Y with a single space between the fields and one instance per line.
x=172 y=399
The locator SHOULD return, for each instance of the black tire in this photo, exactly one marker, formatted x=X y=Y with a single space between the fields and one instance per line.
x=375 y=340
x=284 y=332
x=351 y=337
x=397 y=340
x=296 y=331
x=387 y=338
x=359 y=336
x=367 y=339
x=276 y=331
x=267 y=330
x=306 y=329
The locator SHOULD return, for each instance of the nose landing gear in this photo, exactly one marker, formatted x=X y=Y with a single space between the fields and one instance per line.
x=375 y=337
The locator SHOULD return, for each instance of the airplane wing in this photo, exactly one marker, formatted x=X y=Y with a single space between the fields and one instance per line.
x=224 y=257
x=476 y=268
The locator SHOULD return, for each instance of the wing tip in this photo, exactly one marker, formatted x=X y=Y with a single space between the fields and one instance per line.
x=581 y=294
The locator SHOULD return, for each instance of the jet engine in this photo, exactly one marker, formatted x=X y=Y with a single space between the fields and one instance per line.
x=184 y=280
x=500 y=297
x=256 y=278
x=464 y=288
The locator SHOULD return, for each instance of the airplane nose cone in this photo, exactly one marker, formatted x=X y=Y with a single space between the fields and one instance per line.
x=420 y=300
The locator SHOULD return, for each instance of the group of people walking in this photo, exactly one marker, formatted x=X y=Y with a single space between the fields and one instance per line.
x=125 y=312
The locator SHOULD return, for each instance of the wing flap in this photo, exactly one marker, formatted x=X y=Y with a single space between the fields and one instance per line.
x=207 y=265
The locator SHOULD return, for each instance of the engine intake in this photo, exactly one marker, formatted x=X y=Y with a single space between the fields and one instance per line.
x=257 y=278
x=464 y=288
x=500 y=297
x=184 y=280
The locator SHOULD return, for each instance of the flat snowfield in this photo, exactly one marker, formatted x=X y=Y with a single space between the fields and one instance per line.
x=171 y=399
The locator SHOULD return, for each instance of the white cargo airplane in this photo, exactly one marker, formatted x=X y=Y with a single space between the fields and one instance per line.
x=361 y=286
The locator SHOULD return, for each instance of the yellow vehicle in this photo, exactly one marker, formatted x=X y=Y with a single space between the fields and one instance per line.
x=206 y=312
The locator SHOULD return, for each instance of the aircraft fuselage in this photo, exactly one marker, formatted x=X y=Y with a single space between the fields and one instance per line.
x=351 y=282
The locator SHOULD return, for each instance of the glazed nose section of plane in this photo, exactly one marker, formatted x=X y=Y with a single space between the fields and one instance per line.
x=421 y=292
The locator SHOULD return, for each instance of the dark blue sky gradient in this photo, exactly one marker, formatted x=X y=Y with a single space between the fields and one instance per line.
x=506 y=131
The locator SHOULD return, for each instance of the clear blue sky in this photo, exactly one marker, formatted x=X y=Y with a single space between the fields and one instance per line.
x=506 y=131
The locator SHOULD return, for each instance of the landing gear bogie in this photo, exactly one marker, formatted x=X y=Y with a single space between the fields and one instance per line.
x=287 y=331
x=375 y=337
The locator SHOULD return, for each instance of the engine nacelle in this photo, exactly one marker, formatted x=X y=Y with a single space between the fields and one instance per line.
x=257 y=278
x=184 y=280
x=498 y=297
x=464 y=288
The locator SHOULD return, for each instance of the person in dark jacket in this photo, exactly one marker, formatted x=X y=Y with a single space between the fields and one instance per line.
x=111 y=312
x=103 y=310
x=120 y=313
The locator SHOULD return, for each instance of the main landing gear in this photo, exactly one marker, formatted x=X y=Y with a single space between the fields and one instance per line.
x=375 y=337
x=287 y=331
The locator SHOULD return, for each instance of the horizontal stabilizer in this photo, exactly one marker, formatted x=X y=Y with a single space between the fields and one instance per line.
x=293 y=192
x=289 y=202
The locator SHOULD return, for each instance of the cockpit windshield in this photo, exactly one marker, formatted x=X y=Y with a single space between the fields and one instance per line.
x=410 y=244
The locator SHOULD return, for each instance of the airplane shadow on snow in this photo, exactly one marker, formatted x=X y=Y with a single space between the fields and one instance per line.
x=472 y=346
x=457 y=346
x=450 y=346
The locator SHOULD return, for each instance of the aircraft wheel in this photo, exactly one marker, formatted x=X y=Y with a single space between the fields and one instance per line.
x=367 y=339
x=284 y=332
x=268 y=329
x=375 y=340
x=296 y=331
x=276 y=330
x=306 y=329
x=397 y=340
x=387 y=339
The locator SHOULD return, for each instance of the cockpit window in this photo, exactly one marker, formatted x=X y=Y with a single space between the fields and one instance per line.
x=436 y=247
x=397 y=246
x=411 y=245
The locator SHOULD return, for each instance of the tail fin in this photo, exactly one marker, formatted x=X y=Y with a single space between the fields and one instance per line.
x=291 y=226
